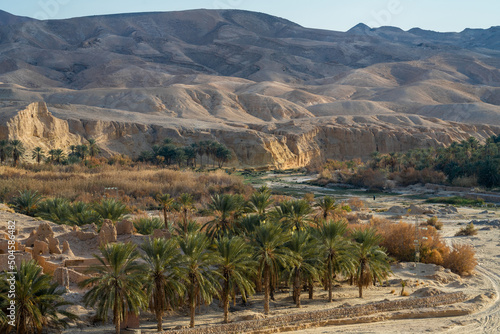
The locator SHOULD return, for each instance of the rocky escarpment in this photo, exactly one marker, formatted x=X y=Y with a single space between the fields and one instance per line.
x=286 y=144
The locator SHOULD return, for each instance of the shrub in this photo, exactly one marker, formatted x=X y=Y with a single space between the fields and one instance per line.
x=111 y=209
x=27 y=202
x=372 y=179
x=56 y=210
x=435 y=223
x=470 y=229
x=461 y=259
x=456 y=200
x=355 y=203
x=399 y=240
x=146 y=225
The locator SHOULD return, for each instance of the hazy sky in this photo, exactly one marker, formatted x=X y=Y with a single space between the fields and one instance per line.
x=439 y=15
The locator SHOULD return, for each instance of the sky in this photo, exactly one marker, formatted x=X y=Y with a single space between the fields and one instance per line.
x=340 y=15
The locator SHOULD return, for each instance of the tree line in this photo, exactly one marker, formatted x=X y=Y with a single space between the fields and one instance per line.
x=169 y=153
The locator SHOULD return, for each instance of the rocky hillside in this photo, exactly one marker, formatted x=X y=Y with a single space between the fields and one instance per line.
x=276 y=93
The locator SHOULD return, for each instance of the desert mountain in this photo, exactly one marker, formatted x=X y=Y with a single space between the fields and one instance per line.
x=276 y=93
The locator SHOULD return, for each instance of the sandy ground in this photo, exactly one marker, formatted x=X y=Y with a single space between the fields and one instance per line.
x=486 y=282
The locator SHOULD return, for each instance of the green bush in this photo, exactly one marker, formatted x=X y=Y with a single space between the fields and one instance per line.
x=456 y=200
x=470 y=229
x=146 y=225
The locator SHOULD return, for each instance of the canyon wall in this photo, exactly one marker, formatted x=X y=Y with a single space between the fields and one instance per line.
x=287 y=144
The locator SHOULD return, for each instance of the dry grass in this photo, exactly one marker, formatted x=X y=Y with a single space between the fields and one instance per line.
x=356 y=203
x=461 y=259
x=136 y=186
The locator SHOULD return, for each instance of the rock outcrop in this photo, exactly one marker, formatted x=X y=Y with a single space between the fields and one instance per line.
x=107 y=234
x=289 y=144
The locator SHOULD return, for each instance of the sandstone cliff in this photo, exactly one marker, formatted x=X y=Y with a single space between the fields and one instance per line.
x=285 y=144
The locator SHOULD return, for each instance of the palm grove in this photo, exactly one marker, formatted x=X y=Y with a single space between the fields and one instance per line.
x=249 y=246
x=167 y=153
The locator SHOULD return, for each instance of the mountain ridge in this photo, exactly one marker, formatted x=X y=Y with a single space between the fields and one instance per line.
x=247 y=72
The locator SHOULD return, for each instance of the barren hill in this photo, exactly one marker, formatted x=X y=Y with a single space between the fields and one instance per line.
x=276 y=93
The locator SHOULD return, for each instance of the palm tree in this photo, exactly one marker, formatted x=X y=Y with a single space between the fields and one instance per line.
x=111 y=209
x=259 y=202
x=93 y=148
x=37 y=299
x=186 y=205
x=16 y=149
x=293 y=214
x=27 y=202
x=164 y=275
x=236 y=267
x=56 y=155
x=226 y=208
x=307 y=260
x=82 y=151
x=201 y=281
x=38 y=154
x=326 y=205
x=4 y=150
x=117 y=283
x=371 y=260
x=268 y=242
x=167 y=204
x=336 y=256
x=81 y=213
x=56 y=210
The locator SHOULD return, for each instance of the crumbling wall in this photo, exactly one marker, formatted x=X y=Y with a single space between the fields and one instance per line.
x=287 y=322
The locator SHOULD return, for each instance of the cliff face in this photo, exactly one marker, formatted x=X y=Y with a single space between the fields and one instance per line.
x=289 y=144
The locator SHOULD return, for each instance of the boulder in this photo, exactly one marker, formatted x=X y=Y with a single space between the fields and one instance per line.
x=125 y=227
x=108 y=233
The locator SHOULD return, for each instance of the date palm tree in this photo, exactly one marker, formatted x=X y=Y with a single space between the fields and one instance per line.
x=236 y=268
x=186 y=205
x=38 y=300
x=308 y=259
x=167 y=204
x=336 y=256
x=93 y=149
x=38 y=154
x=371 y=260
x=27 y=202
x=293 y=214
x=16 y=150
x=268 y=243
x=111 y=209
x=117 y=283
x=4 y=150
x=327 y=205
x=202 y=280
x=259 y=202
x=226 y=208
x=164 y=275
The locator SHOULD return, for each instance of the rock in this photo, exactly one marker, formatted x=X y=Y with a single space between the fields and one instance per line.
x=107 y=233
x=426 y=292
x=417 y=210
x=40 y=248
x=86 y=235
x=397 y=210
x=43 y=233
x=161 y=234
x=66 y=249
x=249 y=315
x=54 y=246
x=125 y=227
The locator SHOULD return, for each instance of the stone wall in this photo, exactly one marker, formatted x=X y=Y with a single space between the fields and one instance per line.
x=341 y=313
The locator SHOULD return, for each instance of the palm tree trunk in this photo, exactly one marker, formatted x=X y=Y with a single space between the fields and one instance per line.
x=361 y=279
x=165 y=218
x=192 y=305
x=296 y=287
x=225 y=298
x=258 y=284
x=311 y=289
x=329 y=273
x=117 y=318
x=360 y=289
x=267 y=289
x=159 y=321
